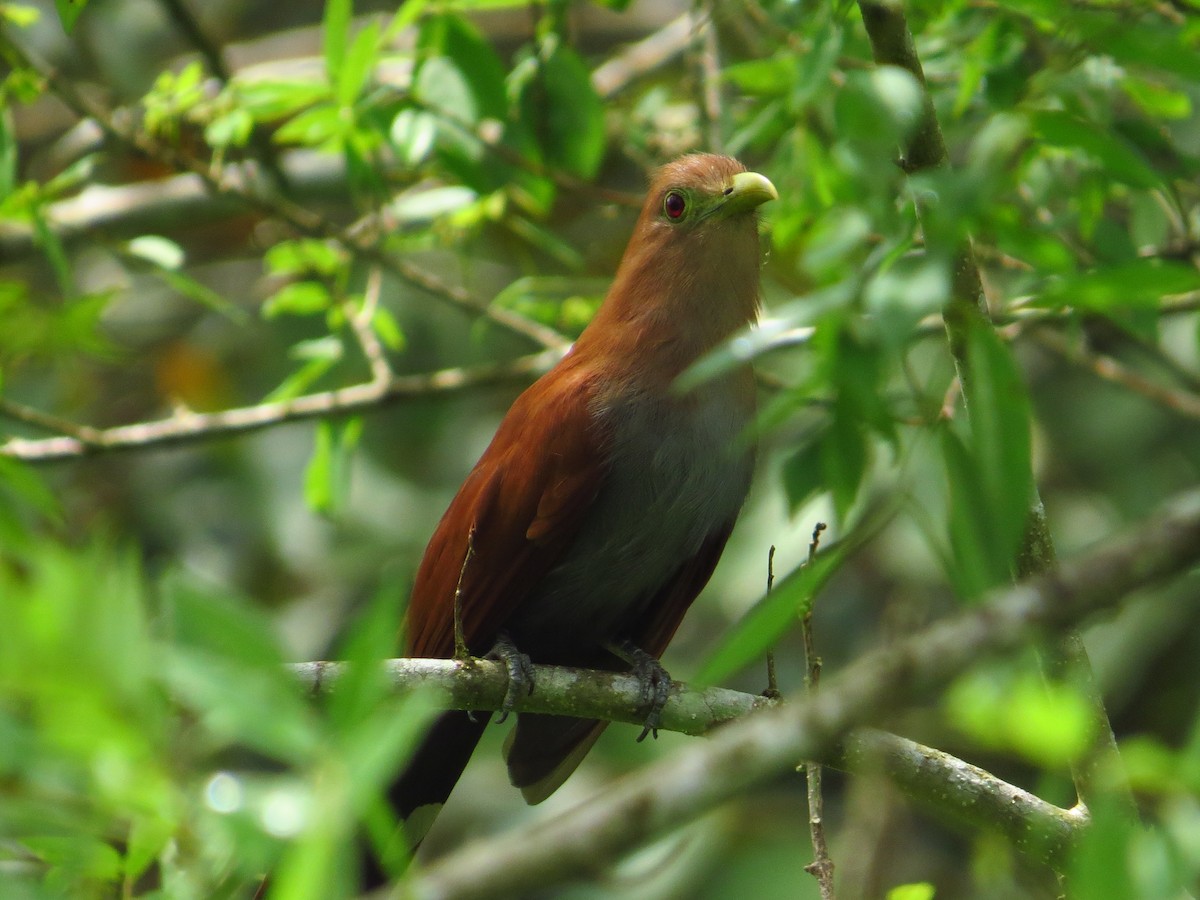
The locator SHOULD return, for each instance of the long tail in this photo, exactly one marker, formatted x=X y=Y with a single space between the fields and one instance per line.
x=422 y=788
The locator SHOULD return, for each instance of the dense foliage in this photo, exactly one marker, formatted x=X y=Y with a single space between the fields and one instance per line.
x=309 y=260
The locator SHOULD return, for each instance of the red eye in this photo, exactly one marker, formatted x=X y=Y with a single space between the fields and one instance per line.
x=675 y=204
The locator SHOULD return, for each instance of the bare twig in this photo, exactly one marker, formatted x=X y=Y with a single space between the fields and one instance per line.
x=750 y=752
x=361 y=321
x=821 y=868
x=186 y=426
x=772 y=691
x=461 y=653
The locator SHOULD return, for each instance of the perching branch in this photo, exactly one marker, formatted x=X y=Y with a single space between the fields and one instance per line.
x=186 y=426
x=750 y=752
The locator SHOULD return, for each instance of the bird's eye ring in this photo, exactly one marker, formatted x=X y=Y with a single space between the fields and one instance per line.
x=674 y=205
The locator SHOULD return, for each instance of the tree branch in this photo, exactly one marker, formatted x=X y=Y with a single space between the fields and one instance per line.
x=186 y=426
x=938 y=781
x=748 y=753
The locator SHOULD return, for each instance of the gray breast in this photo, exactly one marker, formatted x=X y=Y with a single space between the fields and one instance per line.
x=676 y=476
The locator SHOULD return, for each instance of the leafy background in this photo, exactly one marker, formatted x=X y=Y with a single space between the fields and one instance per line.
x=149 y=740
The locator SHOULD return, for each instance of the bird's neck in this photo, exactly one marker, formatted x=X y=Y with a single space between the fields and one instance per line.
x=672 y=303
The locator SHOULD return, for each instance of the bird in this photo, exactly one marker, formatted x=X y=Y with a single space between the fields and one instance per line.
x=603 y=503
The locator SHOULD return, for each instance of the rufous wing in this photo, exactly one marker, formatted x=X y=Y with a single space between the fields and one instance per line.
x=518 y=511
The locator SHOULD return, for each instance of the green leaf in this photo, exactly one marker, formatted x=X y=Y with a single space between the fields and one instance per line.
x=772 y=617
x=69 y=12
x=319 y=474
x=412 y=134
x=305 y=256
x=455 y=41
x=803 y=477
x=1119 y=158
x=314 y=127
x=387 y=328
x=233 y=129
x=843 y=457
x=302 y=298
x=920 y=890
x=8 y=155
x=999 y=411
x=425 y=206
x=20 y=15
x=567 y=114
x=768 y=77
x=1139 y=284
x=356 y=68
x=157 y=250
x=443 y=87
x=336 y=34
x=269 y=100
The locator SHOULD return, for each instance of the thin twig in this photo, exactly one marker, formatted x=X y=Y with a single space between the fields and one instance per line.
x=461 y=653
x=187 y=426
x=772 y=691
x=361 y=321
x=821 y=868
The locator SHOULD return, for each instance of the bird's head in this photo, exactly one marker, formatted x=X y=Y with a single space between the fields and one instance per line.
x=689 y=276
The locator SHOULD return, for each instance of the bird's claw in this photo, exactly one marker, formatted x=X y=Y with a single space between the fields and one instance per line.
x=656 y=688
x=519 y=668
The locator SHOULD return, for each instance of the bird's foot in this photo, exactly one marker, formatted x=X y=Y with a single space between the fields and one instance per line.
x=655 y=682
x=519 y=667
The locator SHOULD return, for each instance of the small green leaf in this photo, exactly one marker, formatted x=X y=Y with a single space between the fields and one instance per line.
x=569 y=113
x=1139 y=283
x=302 y=298
x=270 y=100
x=8 y=155
x=336 y=35
x=412 y=134
x=160 y=251
x=233 y=129
x=19 y=14
x=318 y=475
x=443 y=87
x=314 y=127
x=387 y=328
x=803 y=477
x=425 y=206
x=356 y=68
x=305 y=256
x=327 y=477
x=1118 y=157
x=69 y=11
x=921 y=890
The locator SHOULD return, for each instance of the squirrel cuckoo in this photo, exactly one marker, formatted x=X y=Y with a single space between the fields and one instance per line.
x=601 y=506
